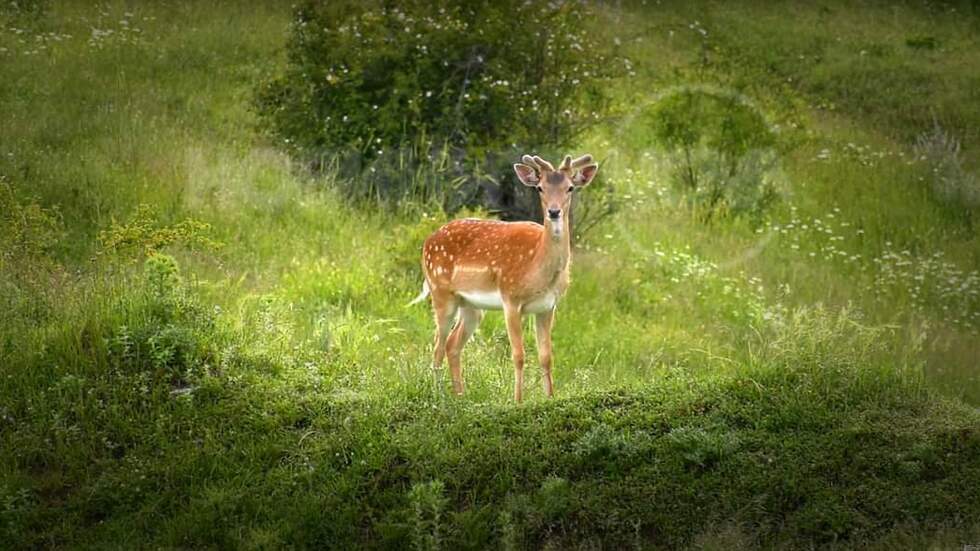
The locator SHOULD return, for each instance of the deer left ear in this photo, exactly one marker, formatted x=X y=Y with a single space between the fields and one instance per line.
x=585 y=175
x=527 y=175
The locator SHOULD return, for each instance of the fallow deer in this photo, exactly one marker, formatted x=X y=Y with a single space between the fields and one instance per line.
x=522 y=268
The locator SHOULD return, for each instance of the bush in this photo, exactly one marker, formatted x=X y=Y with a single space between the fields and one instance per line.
x=721 y=151
x=144 y=235
x=382 y=90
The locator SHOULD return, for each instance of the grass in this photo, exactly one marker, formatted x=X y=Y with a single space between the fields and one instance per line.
x=778 y=382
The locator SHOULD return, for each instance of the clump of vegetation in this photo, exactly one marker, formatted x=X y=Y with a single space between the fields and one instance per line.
x=720 y=151
x=144 y=235
x=29 y=235
x=952 y=183
x=386 y=89
x=167 y=339
x=371 y=77
x=428 y=505
x=29 y=230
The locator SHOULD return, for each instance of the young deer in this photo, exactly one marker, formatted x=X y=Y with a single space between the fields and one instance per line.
x=522 y=268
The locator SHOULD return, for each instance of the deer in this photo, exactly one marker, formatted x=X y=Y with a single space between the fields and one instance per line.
x=472 y=265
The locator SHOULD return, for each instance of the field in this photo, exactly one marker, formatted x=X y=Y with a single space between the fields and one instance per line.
x=206 y=345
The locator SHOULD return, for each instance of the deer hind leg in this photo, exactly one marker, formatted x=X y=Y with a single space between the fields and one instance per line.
x=512 y=313
x=543 y=324
x=444 y=306
x=469 y=320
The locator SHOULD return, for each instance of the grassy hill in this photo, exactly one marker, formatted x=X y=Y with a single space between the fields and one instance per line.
x=805 y=378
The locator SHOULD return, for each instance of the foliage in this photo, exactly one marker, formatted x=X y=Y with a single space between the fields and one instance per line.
x=721 y=150
x=428 y=504
x=144 y=235
x=370 y=77
x=412 y=102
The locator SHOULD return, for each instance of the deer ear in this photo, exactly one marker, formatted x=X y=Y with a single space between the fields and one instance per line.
x=585 y=175
x=527 y=175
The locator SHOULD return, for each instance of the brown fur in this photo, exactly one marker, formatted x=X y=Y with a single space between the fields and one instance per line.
x=525 y=262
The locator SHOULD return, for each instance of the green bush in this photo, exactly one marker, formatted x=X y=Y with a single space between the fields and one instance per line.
x=145 y=234
x=370 y=76
x=721 y=151
x=382 y=90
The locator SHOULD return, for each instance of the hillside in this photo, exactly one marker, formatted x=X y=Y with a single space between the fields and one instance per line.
x=205 y=344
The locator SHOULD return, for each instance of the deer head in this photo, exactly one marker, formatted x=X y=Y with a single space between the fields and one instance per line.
x=556 y=186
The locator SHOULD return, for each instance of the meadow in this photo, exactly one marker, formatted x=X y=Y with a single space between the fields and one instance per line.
x=205 y=344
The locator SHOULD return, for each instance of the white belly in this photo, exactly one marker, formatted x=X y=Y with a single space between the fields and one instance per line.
x=491 y=300
x=542 y=304
x=483 y=300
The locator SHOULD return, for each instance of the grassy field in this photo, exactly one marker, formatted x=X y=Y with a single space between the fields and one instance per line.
x=204 y=345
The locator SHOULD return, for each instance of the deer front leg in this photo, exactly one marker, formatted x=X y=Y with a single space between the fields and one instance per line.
x=512 y=313
x=543 y=323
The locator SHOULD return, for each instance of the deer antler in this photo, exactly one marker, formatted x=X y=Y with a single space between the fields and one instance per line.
x=570 y=166
x=537 y=163
x=581 y=161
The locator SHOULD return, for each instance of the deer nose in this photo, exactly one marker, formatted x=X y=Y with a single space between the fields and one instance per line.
x=554 y=213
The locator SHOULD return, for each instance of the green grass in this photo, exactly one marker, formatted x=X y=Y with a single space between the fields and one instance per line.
x=739 y=384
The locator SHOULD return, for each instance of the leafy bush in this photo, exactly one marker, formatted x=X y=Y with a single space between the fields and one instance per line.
x=381 y=90
x=721 y=150
x=144 y=235
x=369 y=76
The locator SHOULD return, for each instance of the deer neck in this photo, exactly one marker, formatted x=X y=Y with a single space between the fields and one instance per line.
x=555 y=249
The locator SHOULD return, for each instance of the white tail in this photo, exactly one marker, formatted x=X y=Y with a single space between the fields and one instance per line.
x=518 y=267
x=422 y=295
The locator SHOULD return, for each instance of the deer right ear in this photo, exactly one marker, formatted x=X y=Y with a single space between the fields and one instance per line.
x=527 y=175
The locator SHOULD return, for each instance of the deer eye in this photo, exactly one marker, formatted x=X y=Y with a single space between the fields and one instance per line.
x=538 y=188
x=571 y=189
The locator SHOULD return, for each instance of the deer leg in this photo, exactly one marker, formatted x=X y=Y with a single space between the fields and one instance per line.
x=469 y=320
x=542 y=325
x=444 y=305
x=512 y=313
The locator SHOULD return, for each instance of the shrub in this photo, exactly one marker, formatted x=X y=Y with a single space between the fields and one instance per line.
x=721 y=151
x=380 y=90
x=144 y=235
